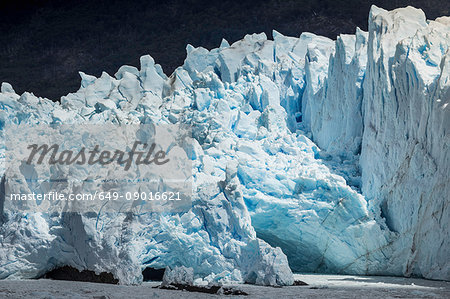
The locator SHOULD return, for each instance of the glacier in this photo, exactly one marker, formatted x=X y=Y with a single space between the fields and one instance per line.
x=308 y=155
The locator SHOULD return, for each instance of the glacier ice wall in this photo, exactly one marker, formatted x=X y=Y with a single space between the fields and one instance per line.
x=406 y=131
x=385 y=96
x=337 y=126
x=215 y=237
x=370 y=198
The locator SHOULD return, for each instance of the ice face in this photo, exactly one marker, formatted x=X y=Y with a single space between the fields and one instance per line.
x=332 y=155
x=406 y=121
x=385 y=96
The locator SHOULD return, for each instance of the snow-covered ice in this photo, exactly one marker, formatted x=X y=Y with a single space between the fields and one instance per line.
x=308 y=155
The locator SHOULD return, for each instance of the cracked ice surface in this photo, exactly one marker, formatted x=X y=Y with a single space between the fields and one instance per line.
x=264 y=192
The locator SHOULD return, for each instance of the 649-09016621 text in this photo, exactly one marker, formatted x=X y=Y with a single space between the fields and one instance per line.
x=98 y=195
x=100 y=168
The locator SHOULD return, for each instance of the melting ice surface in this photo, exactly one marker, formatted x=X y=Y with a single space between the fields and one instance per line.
x=310 y=155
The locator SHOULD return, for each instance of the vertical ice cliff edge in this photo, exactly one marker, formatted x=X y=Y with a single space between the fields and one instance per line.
x=308 y=154
x=405 y=157
x=386 y=97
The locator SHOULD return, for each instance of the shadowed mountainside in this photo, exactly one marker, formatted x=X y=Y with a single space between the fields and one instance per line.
x=44 y=44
